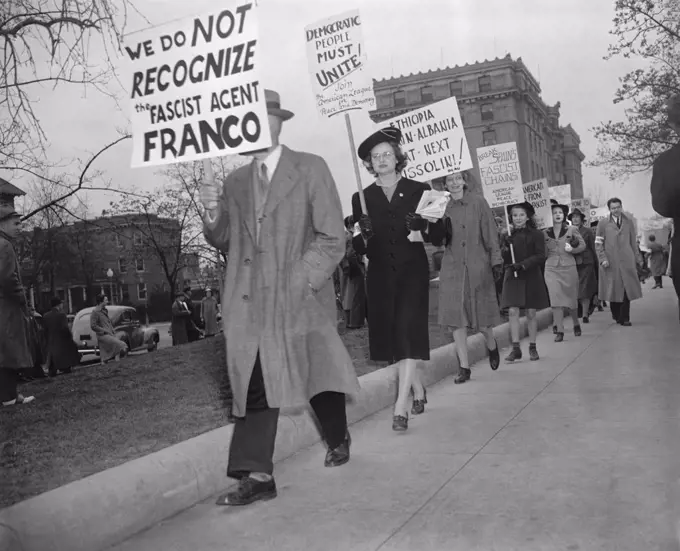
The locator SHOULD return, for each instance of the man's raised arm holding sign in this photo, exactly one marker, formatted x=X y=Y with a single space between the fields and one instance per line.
x=280 y=221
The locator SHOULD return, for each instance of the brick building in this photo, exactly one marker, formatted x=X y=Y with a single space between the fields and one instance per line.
x=499 y=101
x=106 y=255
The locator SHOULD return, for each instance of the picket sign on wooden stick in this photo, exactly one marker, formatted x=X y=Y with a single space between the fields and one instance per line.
x=208 y=169
x=512 y=249
x=357 y=173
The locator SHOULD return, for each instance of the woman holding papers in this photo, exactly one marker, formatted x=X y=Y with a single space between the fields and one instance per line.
x=472 y=263
x=398 y=269
x=523 y=286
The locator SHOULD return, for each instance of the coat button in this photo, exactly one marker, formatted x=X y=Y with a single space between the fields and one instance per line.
x=246 y=298
x=247 y=261
x=462 y=243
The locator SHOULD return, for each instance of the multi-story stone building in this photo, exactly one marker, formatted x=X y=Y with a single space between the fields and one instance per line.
x=499 y=101
x=126 y=257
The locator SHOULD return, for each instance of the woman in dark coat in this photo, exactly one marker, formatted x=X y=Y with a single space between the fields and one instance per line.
x=657 y=262
x=181 y=316
x=398 y=269
x=523 y=286
x=586 y=265
x=62 y=352
x=352 y=283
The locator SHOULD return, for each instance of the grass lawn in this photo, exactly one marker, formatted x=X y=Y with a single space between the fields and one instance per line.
x=99 y=417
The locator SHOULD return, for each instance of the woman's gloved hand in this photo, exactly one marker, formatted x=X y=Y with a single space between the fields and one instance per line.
x=366 y=227
x=415 y=222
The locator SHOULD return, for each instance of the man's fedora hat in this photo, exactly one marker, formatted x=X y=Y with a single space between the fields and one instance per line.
x=274 y=106
x=526 y=205
x=389 y=134
x=7 y=212
x=576 y=212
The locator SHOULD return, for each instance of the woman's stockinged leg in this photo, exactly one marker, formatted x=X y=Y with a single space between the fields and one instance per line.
x=407 y=375
x=460 y=338
x=513 y=314
x=558 y=319
x=532 y=323
x=490 y=338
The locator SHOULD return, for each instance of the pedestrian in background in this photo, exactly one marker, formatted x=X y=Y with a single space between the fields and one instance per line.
x=15 y=347
x=352 y=282
x=110 y=346
x=657 y=261
x=617 y=252
x=586 y=265
x=398 y=280
x=209 y=314
x=181 y=317
x=62 y=351
x=523 y=287
x=562 y=242
x=471 y=265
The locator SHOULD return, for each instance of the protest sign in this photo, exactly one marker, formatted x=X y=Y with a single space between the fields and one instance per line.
x=501 y=175
x=561 y=194
x=537 y=194
x=584 y=206
x=195 y=88
x=337 y=64
x=598 y=214
x=433 y=140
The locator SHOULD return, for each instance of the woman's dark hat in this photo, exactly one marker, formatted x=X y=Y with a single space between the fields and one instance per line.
x=389 y=134
x=56 y=301
x=556 y=205
x=576 y=212
x=528 y=207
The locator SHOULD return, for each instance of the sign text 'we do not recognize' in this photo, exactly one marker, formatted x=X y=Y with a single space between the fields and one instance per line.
x=195 y=88
x=337 y=62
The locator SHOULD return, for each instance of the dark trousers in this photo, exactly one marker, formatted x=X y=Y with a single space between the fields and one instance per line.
x=252 y=442
x=658 y=280
x=621 y=310
x=9 y=379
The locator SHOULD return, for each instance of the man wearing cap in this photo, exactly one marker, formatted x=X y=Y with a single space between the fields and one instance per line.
x=280 y=220
x=15 y=348
x=665 y=188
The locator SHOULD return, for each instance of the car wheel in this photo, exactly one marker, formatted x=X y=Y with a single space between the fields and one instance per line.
x=153 y=347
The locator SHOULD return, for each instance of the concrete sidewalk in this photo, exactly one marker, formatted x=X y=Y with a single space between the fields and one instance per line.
x=578 y=451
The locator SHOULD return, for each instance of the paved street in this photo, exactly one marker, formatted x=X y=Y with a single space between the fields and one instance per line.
x=575 y=452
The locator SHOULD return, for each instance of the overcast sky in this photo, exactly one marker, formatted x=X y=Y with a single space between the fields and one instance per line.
x=562 y=44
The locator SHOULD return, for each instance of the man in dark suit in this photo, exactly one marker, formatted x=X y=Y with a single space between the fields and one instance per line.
x=62 y=352
x=665 y=187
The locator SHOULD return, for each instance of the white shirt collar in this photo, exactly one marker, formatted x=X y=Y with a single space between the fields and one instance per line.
x=272 y=161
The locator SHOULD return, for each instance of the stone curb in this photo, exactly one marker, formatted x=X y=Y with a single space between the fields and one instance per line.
x=107 y=508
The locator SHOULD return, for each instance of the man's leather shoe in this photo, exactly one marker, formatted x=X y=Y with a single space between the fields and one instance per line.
x=495 y=358
x=340 y=455
x=625 y=323
x=249 y=491
x=463 y=376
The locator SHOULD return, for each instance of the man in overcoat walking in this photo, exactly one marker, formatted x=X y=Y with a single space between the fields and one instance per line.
x=15 y=344
x=618 y=254
x=280 y=220
x=665 y=188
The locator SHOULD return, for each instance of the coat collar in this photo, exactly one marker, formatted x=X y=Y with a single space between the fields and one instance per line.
x=282 y=182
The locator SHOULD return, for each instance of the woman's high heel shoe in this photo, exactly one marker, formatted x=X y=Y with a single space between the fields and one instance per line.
x=399 y=423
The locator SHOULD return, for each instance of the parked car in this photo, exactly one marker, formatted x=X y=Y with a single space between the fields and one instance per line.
x=126 y=325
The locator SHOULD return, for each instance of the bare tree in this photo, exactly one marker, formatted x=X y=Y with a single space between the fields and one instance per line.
x=648 y=32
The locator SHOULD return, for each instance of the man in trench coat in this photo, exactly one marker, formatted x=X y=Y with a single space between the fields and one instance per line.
x=280 y=220
x=665 y=189
x=15 y=345
x=618 y=255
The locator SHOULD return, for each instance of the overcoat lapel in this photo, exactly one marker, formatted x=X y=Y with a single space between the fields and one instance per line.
x=285 y=178
x=244 y=196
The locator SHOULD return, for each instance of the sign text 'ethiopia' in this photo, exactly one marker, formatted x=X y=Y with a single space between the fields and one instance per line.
x=195 y=88
x=433 y=140
x=500 y=174
x=337 y=65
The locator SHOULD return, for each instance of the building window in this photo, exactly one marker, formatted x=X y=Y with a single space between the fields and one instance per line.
x=140 y=264
x=399 y=98
x=489 y=137
x=542 y=172
x=456 y=88
x=141 y=291
x=484 y=83
x=138 y=239
x=122 y=265
x=117 y=239
x=487 y=111
x=426 y=94
x=126 y=294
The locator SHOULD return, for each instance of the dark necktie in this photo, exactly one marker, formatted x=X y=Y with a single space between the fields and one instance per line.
x=618 y=222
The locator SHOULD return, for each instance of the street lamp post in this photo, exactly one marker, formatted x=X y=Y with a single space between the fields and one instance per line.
x=109 y=274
